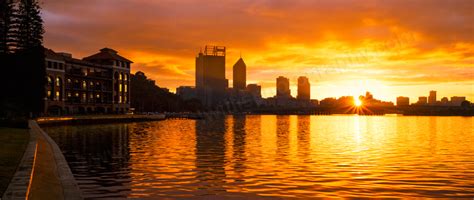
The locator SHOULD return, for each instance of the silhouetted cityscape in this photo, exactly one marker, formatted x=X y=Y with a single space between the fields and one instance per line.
x=102 y=83
x=212 y=89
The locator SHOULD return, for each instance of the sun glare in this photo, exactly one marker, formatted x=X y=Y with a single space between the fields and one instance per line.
x=357 y=102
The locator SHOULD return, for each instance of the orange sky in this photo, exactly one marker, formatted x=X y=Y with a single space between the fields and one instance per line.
x=389 y=47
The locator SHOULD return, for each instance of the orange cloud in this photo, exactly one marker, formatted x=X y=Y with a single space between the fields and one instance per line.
x=426 y=44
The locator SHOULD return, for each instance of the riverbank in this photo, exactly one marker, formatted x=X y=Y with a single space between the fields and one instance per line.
x=43 y=172
x=97 y=119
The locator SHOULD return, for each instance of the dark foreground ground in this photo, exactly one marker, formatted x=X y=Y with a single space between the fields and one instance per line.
x=13 y=142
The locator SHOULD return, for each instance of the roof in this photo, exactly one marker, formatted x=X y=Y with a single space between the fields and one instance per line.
x=240 y=62
x=107 y=54
x=50 y=54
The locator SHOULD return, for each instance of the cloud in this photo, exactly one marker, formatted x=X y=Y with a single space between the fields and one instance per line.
x=396 y=41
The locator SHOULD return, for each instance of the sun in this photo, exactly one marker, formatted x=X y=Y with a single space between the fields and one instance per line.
x=357 y=102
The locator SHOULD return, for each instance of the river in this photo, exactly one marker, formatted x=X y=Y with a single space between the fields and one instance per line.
x=258 y=156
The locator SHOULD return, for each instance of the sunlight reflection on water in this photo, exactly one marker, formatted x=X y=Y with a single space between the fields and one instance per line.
x=274 y=156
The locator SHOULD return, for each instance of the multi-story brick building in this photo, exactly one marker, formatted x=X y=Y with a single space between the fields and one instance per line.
x=99 y=83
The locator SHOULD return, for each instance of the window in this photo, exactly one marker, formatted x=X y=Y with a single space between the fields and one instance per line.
x=97 y=96
x=84 y=85
x=49 y=94
x=57 y=97
x=50 y=80
x=69 y=94
x=84 y=97
x=125 y=99
x=125 y=87
x=77 y=94
x=126 y=77
x=68 y=81
x=91 y=84
x=58 y=81
x=50 y=65
x=120 y=76
x=120 y=87
x=120 y=99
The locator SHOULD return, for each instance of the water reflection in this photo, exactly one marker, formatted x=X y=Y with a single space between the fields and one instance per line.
x=283 y=137
x=99 y=157
x=210 y=156
x=273 y=156
x=303 y=136
x=238 y=154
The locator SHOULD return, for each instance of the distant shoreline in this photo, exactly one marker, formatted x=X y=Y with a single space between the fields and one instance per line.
x=109 y=119
x=97 y=119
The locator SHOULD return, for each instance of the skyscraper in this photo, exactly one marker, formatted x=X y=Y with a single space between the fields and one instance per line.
x=283 y=87
x=210 y=75
x=432 y=98
x=304 y=89
x=240 y=76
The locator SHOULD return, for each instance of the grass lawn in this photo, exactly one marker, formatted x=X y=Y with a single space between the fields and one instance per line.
x=13 y=142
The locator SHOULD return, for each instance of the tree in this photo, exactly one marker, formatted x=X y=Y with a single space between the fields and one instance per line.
x=6 y=17
x=31 y=25
x=465 y=104
x=22 y=54
x=148 y=97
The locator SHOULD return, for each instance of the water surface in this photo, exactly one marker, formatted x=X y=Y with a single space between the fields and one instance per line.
x=273 y=156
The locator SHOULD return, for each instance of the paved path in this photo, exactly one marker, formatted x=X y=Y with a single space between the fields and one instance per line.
x=43 y=172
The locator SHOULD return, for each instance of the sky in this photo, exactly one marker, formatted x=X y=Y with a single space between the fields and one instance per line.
x=345 y=47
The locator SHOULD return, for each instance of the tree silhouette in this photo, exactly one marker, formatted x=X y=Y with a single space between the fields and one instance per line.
x=31 y=25
x=148 y=97
x=7 y=19
x=22 y=59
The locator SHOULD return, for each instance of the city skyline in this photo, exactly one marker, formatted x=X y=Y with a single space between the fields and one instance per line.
x=362 y=47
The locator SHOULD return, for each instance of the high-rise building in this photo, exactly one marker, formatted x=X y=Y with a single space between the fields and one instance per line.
x=422 y=101
x=456 y=101
x=240 y=76
x=211 y=83
x=403 y=101
x=304 y=89
x=255 y=90
x=432 y=97
x=283 y=87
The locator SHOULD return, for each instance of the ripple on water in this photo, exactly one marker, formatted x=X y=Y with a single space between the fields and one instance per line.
x=251 y=157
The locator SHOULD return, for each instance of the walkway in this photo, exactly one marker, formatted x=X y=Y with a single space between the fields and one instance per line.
x=43 y=172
